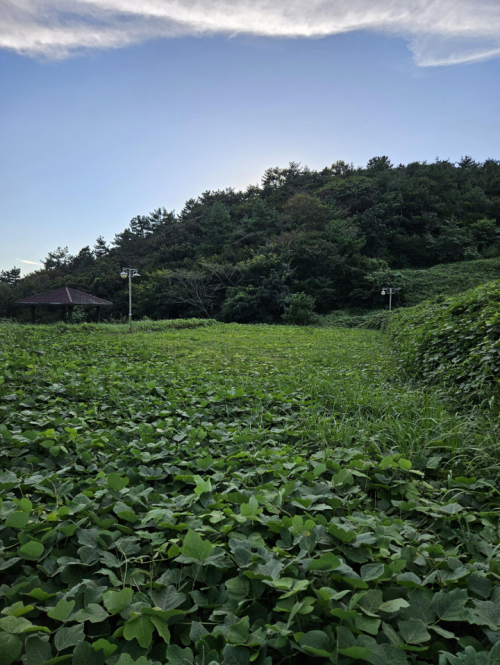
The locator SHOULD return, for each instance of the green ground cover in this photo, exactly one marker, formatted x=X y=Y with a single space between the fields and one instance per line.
x=235 y=494
x=446 y=279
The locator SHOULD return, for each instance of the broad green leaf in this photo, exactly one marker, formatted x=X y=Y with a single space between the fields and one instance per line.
x=367 y=624
x=195 y=547
x=84 y=654
x=327 y=561
x=32 y=550
x=236 y=655
x=251 y=508
x=371 y=601
x=420 y=607
x=38 y=650
x=10 y=648
x=62 y=610
x=413 y=631
x=40 y=595
x=18 y=609
x=126 y=659
x=25 y=505
x=479 y=585
x=17 y=520
x=394 y=605
x=167 y=598
x=14 y=625
x=141 y=629
x=105 y=646
x=116 y=482
x=238 y=632
x=342 y=534
x=68 y=637
x=485 y=613
x=202 y=485
x=372 y=571
x=449 y=606
x=116 y=601
x=178 y=656
x=357 y=652
x=315 y=642
x=238 y=588
x=93 y=613
x=162 y=628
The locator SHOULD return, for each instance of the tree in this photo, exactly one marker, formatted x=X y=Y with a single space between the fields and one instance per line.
x=216 y=226
x=100 y=248
x=379 y=164
x=10 y=277
x=59 y=258
x=199 y=290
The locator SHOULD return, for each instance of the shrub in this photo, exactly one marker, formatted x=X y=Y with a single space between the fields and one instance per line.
x=454 y=341
x=300 y=310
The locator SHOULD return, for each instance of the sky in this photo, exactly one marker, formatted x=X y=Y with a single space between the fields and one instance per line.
x=113 y=108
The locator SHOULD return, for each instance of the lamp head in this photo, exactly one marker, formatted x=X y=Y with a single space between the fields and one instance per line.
x=124 y=274
x=384 y=292
x=135 y=274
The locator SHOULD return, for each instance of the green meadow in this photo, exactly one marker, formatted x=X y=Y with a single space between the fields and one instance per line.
x=235 y=494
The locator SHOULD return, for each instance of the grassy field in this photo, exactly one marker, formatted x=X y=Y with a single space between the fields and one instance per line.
x=235 y=494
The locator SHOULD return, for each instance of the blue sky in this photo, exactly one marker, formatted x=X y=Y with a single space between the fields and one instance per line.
x=91 y=138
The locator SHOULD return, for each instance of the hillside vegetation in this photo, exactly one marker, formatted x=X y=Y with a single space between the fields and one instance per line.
x=454 y=342
x=239 y=494
x=445 y=280
x=332 y=238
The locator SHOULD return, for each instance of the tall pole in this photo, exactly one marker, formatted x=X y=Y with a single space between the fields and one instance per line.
x=130 y=299
x=129 y=272
x=390 y=291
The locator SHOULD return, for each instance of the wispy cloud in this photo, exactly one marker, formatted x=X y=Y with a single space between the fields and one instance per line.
x=439 y=32
x=31 y=263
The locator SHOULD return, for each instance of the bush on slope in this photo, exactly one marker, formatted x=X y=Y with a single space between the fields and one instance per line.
x=454 y=342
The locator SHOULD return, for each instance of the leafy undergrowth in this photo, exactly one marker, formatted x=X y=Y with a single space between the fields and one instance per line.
x=368 y=320
x=454 y=342
x=238 y=494
x=448 y=279
x=142 y=326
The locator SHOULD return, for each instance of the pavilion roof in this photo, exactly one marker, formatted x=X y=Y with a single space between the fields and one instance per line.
x=63 y=296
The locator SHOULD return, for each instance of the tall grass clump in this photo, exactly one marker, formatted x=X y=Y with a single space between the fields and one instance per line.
x=454 y=342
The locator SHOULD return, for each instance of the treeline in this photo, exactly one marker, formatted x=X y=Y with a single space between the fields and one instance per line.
x=333 y=236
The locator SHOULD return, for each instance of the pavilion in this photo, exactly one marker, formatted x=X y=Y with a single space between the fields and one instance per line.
x=65 y=298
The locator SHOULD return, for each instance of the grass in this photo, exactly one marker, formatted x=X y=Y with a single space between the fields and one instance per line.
x=233 y=492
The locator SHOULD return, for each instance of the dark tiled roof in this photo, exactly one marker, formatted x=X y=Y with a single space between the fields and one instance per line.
x=63 y=296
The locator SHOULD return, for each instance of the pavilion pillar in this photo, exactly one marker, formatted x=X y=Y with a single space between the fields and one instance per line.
x=32 y=313
x=98 y=308
x=70 y=314
x=64 y=312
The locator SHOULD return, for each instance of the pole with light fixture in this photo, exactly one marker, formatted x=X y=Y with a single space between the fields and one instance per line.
x=389 y=291
x=129 y=272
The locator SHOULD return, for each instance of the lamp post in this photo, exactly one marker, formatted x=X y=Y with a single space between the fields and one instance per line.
x=129 y=272
x=389 y=291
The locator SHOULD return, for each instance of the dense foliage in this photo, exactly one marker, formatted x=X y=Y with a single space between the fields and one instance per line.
x=334 y=235
x=444 y=280
x=203 y=497
x=454 y=342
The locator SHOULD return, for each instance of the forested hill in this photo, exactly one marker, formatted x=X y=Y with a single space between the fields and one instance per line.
x=335 y=234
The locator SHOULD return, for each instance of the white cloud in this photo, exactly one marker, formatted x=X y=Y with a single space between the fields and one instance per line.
x=439 y=32
x=31 y=263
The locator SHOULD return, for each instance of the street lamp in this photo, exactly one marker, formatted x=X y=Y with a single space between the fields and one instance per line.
x=129 y=272
x=389 y=291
